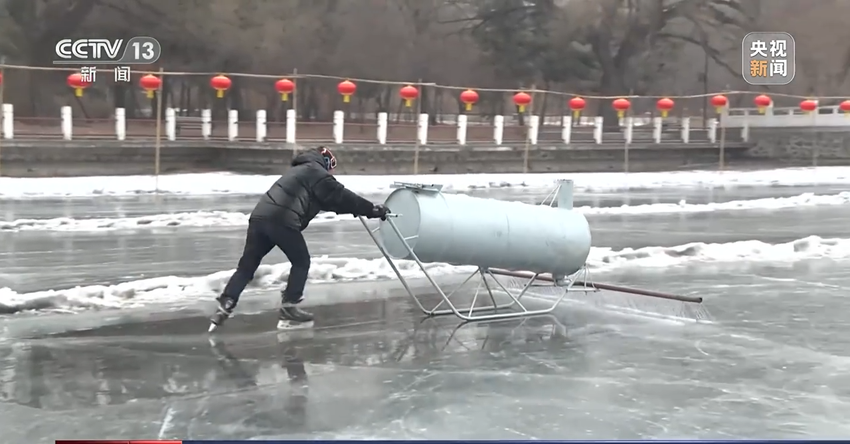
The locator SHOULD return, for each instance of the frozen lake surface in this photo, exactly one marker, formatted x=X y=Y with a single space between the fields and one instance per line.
x=125 y=353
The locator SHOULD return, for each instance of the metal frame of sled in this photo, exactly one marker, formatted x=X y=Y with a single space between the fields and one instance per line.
x=471 y=313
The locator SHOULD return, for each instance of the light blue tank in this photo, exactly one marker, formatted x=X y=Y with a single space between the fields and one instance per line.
x=463 y=230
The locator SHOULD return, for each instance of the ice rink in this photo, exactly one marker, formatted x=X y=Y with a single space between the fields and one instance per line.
x=105 y=289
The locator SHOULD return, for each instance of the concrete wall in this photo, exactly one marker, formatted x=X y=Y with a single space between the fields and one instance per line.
x=802 y=146
x=40 y=159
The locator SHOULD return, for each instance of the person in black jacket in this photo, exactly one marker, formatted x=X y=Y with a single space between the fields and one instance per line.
x=278 y=220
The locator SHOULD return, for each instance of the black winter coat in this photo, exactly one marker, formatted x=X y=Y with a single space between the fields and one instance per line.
x=305 y=190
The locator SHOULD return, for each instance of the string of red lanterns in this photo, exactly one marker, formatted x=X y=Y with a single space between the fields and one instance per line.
x=221 y=83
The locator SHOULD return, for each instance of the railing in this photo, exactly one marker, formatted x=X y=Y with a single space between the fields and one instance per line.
x=317 y=105
x=252 y=111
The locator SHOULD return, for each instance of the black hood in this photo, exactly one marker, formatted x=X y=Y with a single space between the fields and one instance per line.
x=307 y=157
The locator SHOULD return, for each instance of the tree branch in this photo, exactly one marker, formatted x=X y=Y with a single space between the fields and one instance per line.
x=713 y=53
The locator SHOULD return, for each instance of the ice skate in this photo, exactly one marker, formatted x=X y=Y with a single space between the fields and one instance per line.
x=292 y=318
x=222 y=312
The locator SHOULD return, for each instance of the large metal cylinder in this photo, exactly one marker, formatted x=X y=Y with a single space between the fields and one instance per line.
x=464 y=230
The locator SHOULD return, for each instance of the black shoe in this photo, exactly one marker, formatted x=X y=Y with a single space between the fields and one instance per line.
x=293 y=317
x=224 y=310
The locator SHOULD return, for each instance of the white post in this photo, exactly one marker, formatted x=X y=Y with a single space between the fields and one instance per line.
x=171 y=124
x=422 y=129
x=206 y=123
x=120 y=123
x=382 y=128
x=291 y=122
x=339 y=126
x=657 y=124
x=566 y=129
x=261 y=125
x=629 y=135
x=8 y=121
x=232 y=124
x=461 y=129
x=597 y=129
x=498 y=130
x=67 y=123
x=533 y=129
x=630 y=129
x=712 y=130
x=686 y=129
x=745 y=128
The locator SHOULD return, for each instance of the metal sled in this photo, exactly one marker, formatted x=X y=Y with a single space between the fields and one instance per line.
x=512 y=307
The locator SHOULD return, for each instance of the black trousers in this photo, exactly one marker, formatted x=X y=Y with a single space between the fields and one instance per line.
x=262 y=237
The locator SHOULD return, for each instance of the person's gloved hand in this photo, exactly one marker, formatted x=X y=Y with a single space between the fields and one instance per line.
x=379 y=212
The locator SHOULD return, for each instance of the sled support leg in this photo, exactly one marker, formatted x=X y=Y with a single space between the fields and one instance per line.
x=511 y=309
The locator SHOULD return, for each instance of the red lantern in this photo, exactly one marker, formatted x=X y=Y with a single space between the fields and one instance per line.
x=347 y=89
x=521 y=100
x=469 y=97
x=577 y=104
x=285 y=88
x=762 y=102
x=1 y=78
x=808 y=106
x=409 y=93
x=150 y=83
x=665 y=105
x=77 y=82
x=845 y=107
x=220 y=84
x=719 y=102
x=621 y=105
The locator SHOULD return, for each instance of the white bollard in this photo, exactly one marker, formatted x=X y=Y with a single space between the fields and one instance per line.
x=291 y=122
x=171 y=124
x=382 y=128
x=533 y=129
x=8 y=121
x=232 y=124
x=261 y=125
x=630 y=129
x=120 y=123
x=686 y=129
x=598 y=121
x=712 y=130
x=206 y=123
x=566 y=129
x=422 y=129
x=657 y=126
x=498 y=129
x=67 y=123
x=339 y=126
x=461 y=129
x=745 y=130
